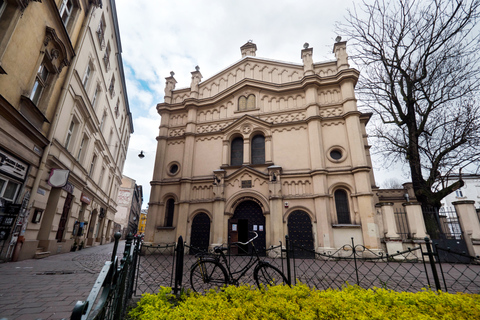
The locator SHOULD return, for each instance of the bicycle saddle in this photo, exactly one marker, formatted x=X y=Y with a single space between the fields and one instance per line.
x=219 y=249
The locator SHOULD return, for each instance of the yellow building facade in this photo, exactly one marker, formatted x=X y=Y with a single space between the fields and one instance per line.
x=268 y=146
x=64 y=124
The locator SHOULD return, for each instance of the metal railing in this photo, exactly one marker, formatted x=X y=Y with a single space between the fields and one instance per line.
x=114 y=285
x=146 y=269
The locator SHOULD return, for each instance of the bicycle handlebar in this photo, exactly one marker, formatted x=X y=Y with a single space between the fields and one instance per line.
x=245 y=243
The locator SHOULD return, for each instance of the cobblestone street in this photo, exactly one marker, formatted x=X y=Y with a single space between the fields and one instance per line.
x=49 y=288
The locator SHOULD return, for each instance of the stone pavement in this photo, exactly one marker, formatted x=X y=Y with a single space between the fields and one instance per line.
x=49 y=288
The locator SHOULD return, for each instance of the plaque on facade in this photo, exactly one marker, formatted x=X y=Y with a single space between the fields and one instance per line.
x=246 y=183
x=11 y=166
x=85 y=199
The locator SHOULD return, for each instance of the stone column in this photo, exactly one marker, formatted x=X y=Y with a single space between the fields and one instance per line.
x=393 y=240
x=470 y=224
x=217 y=227
x=416 y=223
x=274 y=221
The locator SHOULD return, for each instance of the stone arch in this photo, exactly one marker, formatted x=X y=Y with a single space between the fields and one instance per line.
x=301 y=208
x=242 y=195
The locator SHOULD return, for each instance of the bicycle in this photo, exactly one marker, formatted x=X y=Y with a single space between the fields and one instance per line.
x=209 y=273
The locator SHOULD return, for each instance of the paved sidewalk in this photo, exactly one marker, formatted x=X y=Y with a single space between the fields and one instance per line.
x=49 y=288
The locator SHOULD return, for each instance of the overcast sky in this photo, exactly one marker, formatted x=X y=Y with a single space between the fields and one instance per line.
x=161 y=36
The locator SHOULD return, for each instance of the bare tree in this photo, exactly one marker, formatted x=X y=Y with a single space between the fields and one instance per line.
x=392 y=183
x=420 y=74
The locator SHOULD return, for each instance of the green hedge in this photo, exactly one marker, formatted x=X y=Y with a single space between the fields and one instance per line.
x=302 y=303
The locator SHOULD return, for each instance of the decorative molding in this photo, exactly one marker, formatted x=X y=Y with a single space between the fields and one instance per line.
x=290 y=128
x=284 y=118
x=331 y=112
x=208 y=138
x=333 y=123
x=212 y=127
x=329 y=96
x=176 y=132
x=174 y=142
x=297 y=187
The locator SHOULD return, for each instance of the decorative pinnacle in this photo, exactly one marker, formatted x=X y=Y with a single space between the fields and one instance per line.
x=305 y=46
x=197 y=68
x=172 y=73
x=338 y=39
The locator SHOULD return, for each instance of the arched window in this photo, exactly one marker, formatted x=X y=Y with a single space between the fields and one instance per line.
x=169 y=209
x=258 y=149
x=246 y=103
x=236 y=152
x=341 y=204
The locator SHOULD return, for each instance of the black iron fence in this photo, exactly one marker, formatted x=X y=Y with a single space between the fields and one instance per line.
x=114 y=286
x=145 y=268
x=411 y=270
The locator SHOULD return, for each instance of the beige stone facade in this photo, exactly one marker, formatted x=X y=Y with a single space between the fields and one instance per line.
x=64 y=112
x=268 y=146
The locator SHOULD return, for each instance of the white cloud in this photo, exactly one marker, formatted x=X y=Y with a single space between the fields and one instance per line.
x=162 y=36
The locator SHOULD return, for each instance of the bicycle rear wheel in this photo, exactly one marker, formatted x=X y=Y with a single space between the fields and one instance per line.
x=268 y=275
x=206 y=275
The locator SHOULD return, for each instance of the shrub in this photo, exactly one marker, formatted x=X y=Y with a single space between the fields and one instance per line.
x=301 y=302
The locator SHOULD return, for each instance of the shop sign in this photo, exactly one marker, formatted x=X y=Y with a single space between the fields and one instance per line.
x=58 y=178
x=12 y=166
x=85 y=199
x=68 y=187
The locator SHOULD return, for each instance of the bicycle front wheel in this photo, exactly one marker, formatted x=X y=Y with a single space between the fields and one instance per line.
x=206 y=275
x=268 y=275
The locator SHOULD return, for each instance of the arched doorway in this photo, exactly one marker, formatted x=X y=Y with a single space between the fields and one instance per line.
x=300 y=233
x=200 y=235
x=248 y=217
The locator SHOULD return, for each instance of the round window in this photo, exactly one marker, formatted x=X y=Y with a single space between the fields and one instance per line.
x=336 y=154
x=173 y=169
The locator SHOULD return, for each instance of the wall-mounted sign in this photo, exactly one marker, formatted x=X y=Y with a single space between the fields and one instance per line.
x=12 y=167
x=68 y=187
x=58 y=178
x=85 y=199
x=246 y=183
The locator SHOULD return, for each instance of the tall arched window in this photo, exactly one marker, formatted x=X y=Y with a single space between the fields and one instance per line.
x=169 y=210
x=236 y=152
x=341 y=204
x=258 y=149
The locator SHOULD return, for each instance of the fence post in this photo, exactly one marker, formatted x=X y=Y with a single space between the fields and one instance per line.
x=179 y=266
x=355 y=261
x=287 y=250
x=117 y=236
x=432 y=263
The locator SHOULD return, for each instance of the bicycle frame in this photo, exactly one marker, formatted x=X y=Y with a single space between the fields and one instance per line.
x=222 y=258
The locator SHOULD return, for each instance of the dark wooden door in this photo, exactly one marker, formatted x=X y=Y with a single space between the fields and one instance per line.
x=200 y=235
x=255 y=221
x=300 y=234
x=64 y=217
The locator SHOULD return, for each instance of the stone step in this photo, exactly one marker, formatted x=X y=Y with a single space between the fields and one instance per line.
x=40 y=253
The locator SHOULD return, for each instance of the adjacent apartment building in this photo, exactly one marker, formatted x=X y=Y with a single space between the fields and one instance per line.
x=129 y=206
x=65 y=124
x=267 y=146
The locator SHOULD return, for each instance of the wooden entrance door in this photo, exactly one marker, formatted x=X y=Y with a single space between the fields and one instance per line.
x=200 y=235
x=248 y=217
x=64 y=217
x=300 y=234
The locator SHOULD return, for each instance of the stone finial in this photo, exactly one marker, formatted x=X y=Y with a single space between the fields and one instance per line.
x=307 y=58
x=169 y=86
x=248 y=49
x=340 y=51
x=196 y=78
